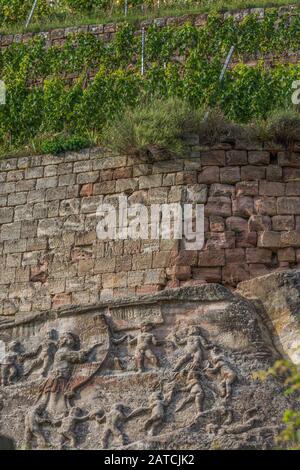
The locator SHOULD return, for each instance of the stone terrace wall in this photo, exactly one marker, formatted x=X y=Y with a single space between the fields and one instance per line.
x=107 y=31
x=49 y=253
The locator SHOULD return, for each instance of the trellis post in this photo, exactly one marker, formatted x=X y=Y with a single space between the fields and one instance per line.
x=143 y=51
x=29 y=18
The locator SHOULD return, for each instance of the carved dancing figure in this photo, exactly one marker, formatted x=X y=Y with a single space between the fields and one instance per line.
x=10 y=371
x=67 y=430
x=34 y=420
x=193 y=355
x=45 y=352
x=196 y=393
x=220 y=366
x=114 y=421
x=57 y=384
x=144 y=342
x=157 y=405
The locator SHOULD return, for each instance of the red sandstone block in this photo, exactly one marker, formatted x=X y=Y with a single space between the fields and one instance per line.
x=234 y=255
x=287 y=158
x=259 y=223
x=269 y=240
x=287 y=254
x=211 y=257
x=293 y=188
x=122 y=173
x=217 y=190
x=288 y=205
x=274 y=173
x=145 y=290
x=246 y=239
x=236 y=224
x=234 y=273
x=216 y=224
x=258 y=269
x=207 y=274
x=220 y=206
x=186 y=177
x=184 y=258
x=61 y=299
x=86 y=190
x=283 y=222
x=106 y=175
x=213 y=157
x=220 y=240
x=230 y=174
x=182 y=273
x=258 y=255
x=209 y=175
x=291 y=238
x=258 y=158
x=247 y=188
x=271 y=188
x=253 y=173
x=291 y=174
x=243 y=206
x=265 y=205
x=236 y=157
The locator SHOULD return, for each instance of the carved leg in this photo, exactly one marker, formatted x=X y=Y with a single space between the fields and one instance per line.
x=41 y=439
x=107 y=433
x=152 y=357
x=139 y=360
x=199 y=401
x=12 y=374
x=182 y=361
x=189 y=399
x=28 y=438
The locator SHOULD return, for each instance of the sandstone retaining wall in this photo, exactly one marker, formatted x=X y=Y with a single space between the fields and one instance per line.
x=49 y=253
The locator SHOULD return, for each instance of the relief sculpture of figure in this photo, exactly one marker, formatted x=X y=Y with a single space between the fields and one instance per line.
x=144 y=342
x=114 y=422
x=221 y=367
x=67 y=430
x=195 y=390
x=57 y=384
x=157 y=405
x=34 y=420
x=45 y=355
x=10 y=367
x=193 y=355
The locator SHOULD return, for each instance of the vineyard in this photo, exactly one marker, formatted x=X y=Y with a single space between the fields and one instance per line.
x=78 y=88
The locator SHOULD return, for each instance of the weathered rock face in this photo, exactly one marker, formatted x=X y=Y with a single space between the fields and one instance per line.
x=172 y=370
x=279 y=296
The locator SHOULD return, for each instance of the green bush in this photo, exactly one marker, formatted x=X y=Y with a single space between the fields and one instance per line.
x=151 y=129
x=60 y=144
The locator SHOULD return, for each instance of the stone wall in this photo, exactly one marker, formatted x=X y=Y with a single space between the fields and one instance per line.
x=107 y=31
x=50 y=256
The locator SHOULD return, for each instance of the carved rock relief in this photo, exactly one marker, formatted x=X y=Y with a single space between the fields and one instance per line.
x=173 y=370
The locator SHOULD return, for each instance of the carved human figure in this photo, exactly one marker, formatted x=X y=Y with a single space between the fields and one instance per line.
x=193 y=355
x=57 y=384
x=225 y=374
x=10 y=368
x=34 y=420
x=144 y=342
x=157 y=405
x=67 y=430
x=195 y=392
x=114 y=421
x=45 y=355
